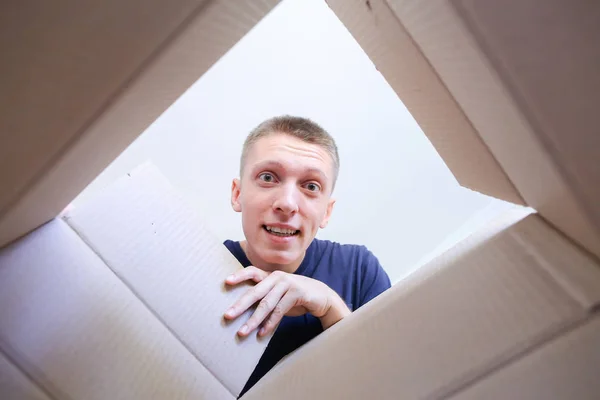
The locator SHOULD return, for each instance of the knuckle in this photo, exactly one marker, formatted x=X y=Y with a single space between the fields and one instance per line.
x=257 y=274
x=278 y=311
x=252 y=293
x=270 y=323
x=264 y=305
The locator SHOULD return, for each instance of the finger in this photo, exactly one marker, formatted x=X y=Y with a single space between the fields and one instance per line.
x=251 y=296
x=287 y=302
x=265 y=307
x=246 y=274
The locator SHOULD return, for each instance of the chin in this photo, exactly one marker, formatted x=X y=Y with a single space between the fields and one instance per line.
x=281 y=257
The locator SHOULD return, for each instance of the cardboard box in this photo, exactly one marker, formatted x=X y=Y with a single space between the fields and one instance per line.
x=492 y=299
x=506 y=93
x=125 y=300
x=86 y=79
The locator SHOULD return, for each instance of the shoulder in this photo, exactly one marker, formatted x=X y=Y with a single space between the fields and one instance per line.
x=369 y=276
x=356 y=259
x=353 y=253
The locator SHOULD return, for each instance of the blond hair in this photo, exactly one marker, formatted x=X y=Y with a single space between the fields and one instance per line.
x=298 y=127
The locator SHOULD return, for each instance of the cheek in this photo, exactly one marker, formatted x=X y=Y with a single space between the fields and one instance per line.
x=254 y=203
x=315 y=212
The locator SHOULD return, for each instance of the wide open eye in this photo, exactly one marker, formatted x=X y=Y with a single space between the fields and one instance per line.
x=267 y=177
x=313 y=187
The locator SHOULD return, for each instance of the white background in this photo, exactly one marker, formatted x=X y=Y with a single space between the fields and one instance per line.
x=394 y=195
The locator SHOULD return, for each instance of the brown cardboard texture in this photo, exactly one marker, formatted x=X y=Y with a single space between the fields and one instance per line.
x=506 y=93
x=564 y=368
x=478 y=307
x=511 y=86
x=82 y=82
x=146 y=296
x=467 y=73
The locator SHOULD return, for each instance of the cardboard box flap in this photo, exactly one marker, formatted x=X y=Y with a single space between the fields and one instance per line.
x=565 y=368
x=14 y=385
x=392 y=49
x=525 y=75
x=470 y=310
x=548 y=57
x=101 y=85
x=75 y=329
x=155 y=242
x=67 y=61
x=570 y=267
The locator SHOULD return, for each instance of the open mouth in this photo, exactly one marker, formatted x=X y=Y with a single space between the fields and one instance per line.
x=281 y=231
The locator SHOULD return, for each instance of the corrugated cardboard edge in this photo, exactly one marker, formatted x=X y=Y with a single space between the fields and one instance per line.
x=477 y=87
x=191 y=50
x=575 y=309
x=581 y=281
x=401 y=62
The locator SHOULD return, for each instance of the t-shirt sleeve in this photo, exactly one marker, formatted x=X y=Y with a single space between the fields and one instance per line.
x=375 y=279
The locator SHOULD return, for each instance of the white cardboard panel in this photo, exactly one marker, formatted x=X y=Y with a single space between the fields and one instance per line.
x=553 y=170
x=77 y=330
x=562 y=369
x=401 y=62
x=156 y=243
x=14 y=385
x=473 y=308
x=193 y=47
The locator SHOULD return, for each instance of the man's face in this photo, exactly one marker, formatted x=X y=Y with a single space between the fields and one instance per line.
x=284 y=196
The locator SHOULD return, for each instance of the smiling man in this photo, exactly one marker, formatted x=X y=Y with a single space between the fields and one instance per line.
x=288 y=170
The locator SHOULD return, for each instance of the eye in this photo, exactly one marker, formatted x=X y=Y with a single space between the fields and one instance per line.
x=266 y=177
x=313 y=187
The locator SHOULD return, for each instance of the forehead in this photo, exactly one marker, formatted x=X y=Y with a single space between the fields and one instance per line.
x=291 y=153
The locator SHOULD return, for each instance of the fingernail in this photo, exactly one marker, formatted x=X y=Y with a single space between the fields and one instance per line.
x=230 y=312
x=244 y=330
x=262 y=331
x=230 y=277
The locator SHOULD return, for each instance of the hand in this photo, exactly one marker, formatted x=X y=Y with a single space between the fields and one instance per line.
x=281 y=293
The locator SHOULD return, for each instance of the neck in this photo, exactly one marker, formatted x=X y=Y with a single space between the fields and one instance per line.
x=258 y=262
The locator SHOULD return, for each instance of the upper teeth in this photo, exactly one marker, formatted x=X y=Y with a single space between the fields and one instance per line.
x=281 y=230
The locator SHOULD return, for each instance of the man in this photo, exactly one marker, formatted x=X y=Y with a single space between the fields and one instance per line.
x=288 y=170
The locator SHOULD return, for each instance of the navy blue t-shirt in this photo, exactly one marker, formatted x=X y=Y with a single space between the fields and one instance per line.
x=351 y=270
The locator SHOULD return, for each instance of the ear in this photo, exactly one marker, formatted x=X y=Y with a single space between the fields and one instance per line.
x=235 y=195
x=327 y=215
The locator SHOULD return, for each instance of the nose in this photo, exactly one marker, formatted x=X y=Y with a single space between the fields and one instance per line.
x=286 y=200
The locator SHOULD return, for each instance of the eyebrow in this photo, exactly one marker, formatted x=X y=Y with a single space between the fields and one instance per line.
x=276 y=164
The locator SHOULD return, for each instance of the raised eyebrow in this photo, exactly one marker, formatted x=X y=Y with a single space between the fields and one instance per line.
x=268 y=164
x=322 y=176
